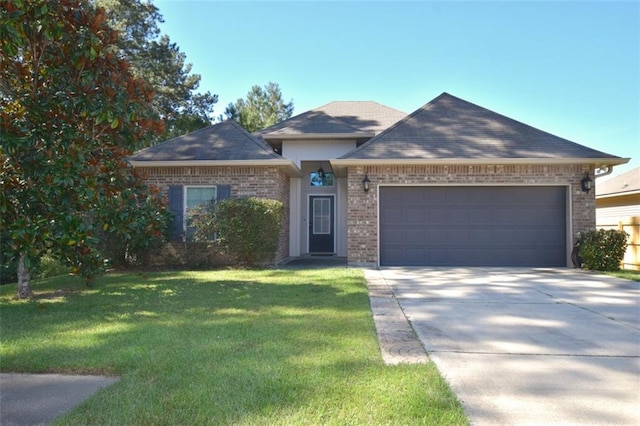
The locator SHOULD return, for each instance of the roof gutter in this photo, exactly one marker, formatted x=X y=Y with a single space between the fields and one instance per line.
x=596 y=162
x=311 y=136
x=290 y=167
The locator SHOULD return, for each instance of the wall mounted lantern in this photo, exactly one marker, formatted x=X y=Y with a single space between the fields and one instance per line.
x=586 y=183
x=365 y=183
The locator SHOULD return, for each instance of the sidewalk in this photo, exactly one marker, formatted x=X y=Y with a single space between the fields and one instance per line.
x=37 y=399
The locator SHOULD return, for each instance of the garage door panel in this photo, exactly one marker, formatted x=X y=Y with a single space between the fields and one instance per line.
x=483 y=216
x=434 y=198
x=457 y=234
x=481 y=236
x=413 y=237
x=393 y=237
x=436 y=215
x=413 y=256
x=394 y=215
x=473 y=226
x=414 y=215
x=436 y=236
x=457 y=216
x=505 y=215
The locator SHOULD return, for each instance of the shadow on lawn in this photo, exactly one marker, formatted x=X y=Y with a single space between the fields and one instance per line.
x=129 y=316
x=216 y=346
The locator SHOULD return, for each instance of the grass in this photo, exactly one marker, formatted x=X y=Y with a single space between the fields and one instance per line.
x=627 y=274
x=225 y=347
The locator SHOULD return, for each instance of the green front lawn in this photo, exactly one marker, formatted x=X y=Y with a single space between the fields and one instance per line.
x=224 y=347
x=627 y=274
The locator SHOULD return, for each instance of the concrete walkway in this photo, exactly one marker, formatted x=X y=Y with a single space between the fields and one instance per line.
x=398 y=341
x=37 y=399
x=524 y=346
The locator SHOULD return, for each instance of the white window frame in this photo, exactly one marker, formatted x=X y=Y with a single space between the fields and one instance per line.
x=326 y=218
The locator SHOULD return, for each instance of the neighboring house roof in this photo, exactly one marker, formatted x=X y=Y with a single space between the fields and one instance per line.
x=225 y=143
x=347 y=119
x=451 y=128
x=624 y=184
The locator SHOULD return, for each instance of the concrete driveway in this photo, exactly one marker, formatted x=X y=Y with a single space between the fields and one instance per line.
x=529 y=346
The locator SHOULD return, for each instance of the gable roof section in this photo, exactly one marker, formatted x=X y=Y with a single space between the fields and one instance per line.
x=343 y=119
x=225 y=143
x=625 y=184
x=311 y=123
x=450 y=128
x=367 y=116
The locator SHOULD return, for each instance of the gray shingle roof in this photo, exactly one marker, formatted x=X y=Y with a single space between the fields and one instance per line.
x=341 y=117
x=625 y=183
x=449 y=127
x=310 y=122
x=366 y=116
x=221 y=142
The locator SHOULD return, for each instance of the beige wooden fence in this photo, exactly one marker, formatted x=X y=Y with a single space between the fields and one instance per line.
x=631 y=225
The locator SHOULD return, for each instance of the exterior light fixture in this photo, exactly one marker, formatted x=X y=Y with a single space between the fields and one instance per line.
x=365 y=183
x=321 y=173
x=586 y=183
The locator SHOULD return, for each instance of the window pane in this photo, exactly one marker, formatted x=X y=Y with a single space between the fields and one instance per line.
x=316 y=180
x=321 y=216
x=198 y=196
x=195 y=197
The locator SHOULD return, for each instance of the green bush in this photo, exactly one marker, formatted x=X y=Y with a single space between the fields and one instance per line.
x=603 y=249
x=48 y=266
x=8 y=268
x=249 y=229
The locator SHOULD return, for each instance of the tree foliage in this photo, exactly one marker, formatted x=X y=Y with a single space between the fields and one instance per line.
x=262 y=108
x=154 y=58
x=71 y=111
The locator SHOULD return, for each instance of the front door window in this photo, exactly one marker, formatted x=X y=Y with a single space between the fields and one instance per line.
x=321 y=226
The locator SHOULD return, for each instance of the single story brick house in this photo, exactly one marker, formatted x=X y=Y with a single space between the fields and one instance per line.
x=451 y=184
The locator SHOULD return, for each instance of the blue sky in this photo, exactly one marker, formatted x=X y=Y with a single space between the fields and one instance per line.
x=571 y=68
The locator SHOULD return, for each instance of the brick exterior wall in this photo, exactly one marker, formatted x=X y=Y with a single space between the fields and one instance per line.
x=261 y=182
x=362 y=220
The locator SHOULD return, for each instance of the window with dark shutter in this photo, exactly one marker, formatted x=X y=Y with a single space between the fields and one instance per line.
x=184 y=203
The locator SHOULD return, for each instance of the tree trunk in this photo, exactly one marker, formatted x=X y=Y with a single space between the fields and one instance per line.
x=24 y=278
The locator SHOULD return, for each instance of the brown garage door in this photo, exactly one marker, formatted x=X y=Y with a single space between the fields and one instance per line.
x=473 y=226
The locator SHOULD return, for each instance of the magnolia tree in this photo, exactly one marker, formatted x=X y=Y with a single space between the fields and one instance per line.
x=71 y=112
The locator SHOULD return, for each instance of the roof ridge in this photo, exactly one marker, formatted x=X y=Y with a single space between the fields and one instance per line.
x=260 y=142
x=441 y=108
x=393 y=126
x=281 y=125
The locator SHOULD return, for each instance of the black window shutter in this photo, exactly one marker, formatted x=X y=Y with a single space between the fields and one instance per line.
x=176 y=206
x=223 y=192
